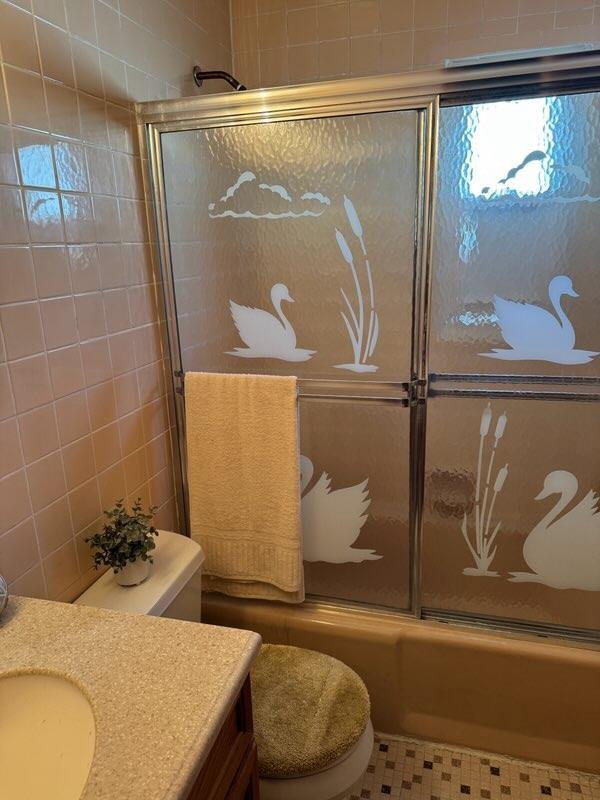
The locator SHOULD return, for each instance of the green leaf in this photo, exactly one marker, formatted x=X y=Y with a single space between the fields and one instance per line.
x=126 y=537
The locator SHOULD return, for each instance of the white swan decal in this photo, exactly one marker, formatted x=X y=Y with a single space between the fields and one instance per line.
x=535 y=334
x=564 y=551
x=267 y=335
x=332 y=520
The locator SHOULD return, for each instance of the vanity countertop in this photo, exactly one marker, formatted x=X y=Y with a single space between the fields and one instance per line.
x=160 y=688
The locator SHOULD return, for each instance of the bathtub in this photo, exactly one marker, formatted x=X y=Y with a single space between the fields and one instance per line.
x=534 y=699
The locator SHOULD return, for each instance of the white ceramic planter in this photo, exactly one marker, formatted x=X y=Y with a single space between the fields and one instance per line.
x=134 y=573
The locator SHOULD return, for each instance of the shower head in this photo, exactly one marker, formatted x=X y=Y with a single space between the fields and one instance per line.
x=201 y=75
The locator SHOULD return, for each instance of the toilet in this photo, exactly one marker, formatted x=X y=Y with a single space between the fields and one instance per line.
x=312 y=725
x=173 y=589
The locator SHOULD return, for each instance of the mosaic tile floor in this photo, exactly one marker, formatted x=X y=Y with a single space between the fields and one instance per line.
x=413 y=770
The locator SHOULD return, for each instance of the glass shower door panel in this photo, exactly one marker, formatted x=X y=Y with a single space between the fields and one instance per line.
x=355 y=500
x=516 y=282
x=293 y=243
x=511 y=519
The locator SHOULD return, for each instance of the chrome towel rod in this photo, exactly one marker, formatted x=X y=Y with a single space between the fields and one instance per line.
x=305 y=393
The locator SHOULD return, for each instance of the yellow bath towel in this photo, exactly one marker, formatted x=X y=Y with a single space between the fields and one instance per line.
x=244 y=483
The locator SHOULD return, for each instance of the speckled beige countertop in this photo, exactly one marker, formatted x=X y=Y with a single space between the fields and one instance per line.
x=159 y=688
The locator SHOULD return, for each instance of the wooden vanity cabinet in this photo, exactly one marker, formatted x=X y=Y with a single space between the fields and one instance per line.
x=231 y=770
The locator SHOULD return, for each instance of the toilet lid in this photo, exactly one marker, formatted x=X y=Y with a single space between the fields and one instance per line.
x=309 y=710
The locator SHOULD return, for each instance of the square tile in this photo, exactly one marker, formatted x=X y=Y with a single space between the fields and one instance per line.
x=447 y=773
x=39 y=434
x=30 y=381
x=51 y=271
x=22 y=330
x=12 y=220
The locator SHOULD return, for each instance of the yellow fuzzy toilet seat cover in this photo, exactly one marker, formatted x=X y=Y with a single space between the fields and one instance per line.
x=309 y=710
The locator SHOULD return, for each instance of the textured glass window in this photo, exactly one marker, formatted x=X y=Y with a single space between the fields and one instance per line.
x=497 y=162
x=516 y=275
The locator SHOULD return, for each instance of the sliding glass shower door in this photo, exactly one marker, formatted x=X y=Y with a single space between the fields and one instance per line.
x=449 y=390
x=294 y=250
x=511 y=522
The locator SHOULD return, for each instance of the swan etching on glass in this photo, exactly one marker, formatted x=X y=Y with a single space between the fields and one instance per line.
x=535 y=334
x=564 y=551
x=332 y=520
x=267 y=335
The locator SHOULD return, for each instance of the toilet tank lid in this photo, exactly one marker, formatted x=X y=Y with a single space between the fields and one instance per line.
x=176 y=559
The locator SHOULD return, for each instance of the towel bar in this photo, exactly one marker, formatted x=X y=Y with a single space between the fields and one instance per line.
x=311 y=395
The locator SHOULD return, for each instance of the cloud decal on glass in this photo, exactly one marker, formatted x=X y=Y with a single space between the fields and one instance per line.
x=248 y=199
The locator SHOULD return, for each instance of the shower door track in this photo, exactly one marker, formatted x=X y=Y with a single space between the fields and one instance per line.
x=425 y=91
x=516 y=394
x=567 y=380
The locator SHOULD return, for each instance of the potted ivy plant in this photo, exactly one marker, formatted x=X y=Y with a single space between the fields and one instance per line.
x=126 y=542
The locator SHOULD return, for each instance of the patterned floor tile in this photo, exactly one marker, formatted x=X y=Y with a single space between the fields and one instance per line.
x=405 y=769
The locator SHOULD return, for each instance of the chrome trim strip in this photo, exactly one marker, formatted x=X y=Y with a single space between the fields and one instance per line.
x=449 y=377
x=420 y=344
x=522 y=394
x=509 y=624
x=153 y=144
x=317 y=602
x=327 y=97
x=363 y=398
x=518 y=628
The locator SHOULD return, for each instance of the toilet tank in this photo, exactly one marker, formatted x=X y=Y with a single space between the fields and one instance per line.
x=172 y=589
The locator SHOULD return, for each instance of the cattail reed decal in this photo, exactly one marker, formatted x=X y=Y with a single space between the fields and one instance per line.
x=362 y=326
x=483 y=549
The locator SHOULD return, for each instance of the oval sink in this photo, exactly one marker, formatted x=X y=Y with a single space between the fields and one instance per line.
x=47 y=738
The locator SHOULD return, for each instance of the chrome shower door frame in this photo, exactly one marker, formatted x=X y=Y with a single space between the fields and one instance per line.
x=362 y=96
x=420 y=91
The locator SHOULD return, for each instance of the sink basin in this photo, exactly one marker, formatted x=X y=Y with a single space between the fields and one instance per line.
x=47 y=738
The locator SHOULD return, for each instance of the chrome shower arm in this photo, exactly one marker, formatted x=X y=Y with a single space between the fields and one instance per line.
x=201 y=75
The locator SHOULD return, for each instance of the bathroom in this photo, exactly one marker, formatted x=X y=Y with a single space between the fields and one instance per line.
x=438 y=324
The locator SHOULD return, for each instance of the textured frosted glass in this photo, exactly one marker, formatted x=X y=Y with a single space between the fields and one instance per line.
x=355 y=500
x=517 y=533
x=517 y=222
x=320 y=212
